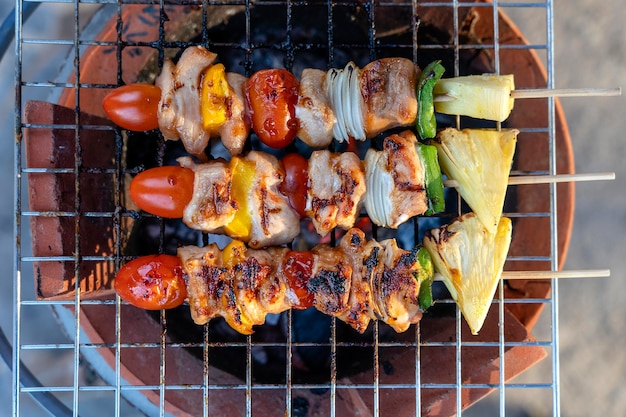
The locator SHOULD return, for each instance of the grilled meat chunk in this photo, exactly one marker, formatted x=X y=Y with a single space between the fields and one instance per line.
x=179 y=109
x=206 y=281
x=211 y=206
x=383 y=285
x=330 y=279
x=242 y=293
x=395 y=180
x=236 y=130
x=396 y=289
x=365 y=259
x=180 y=113
x=388 y=90
x=336 y=188
x=313 y=110
x=259 y=286
x=274 y=222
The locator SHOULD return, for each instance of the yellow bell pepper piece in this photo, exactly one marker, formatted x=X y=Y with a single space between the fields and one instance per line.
x=244 y=173
x=214 y=95
x=233 y=253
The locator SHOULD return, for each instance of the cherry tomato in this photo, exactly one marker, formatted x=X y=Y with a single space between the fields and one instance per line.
x=152 y=282
x=133 y=106
x=163 y=191
x=298 y=266
x=271 y=96
x=296 y=183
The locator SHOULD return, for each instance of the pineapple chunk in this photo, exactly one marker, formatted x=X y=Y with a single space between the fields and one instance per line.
x=485 y=96
x=470 y=260
x=480 y=161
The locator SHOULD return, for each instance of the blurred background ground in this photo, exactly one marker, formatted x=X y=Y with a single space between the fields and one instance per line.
x=590 y=51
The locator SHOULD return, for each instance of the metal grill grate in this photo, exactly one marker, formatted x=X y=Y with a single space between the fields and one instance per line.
x=114 y=388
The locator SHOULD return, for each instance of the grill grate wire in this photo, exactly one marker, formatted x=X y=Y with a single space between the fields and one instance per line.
x=80 y=346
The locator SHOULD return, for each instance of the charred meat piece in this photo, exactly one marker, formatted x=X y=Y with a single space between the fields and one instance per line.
x=212 y=206
x=336 y=189
x=365 y=259
x=396 y=289
x=274 y=222
x=242 y=290
x=395 y=181
x=330 y=279
x=207 y=280
x=258 y=285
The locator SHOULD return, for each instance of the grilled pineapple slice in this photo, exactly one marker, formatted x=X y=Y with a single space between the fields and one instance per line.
x=480 y=161
x=470 y=260
x=485 y=96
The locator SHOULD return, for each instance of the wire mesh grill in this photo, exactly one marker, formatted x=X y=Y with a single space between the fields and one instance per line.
x=172 y=384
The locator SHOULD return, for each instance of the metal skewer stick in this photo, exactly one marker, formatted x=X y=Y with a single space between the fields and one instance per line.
x=548 y=179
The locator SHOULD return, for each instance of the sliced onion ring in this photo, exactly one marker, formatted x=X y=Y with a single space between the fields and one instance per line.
x=344 y=92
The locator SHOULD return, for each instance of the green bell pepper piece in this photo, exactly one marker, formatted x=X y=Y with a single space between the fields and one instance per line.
x=432 y=178
x=425 y=277
x=425 y=122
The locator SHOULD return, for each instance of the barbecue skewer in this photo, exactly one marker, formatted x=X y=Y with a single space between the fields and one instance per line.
x=191 y=196
x=301 y=277
x=339 y=104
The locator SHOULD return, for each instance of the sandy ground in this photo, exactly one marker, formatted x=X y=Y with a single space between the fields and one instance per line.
x=590 y=51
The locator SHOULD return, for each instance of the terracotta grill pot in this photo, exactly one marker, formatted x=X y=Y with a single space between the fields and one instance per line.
x=102 y=238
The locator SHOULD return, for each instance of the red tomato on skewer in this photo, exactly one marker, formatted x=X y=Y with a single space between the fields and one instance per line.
x=152 y=282
x=298 y=266
x=271 y=97
x=133 y=106
x=163 y=191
